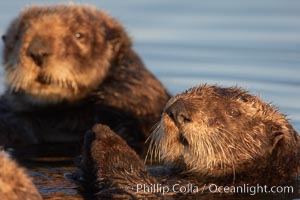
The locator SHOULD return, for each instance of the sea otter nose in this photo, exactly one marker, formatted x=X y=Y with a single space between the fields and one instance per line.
x=38 y=50
x=178 y=113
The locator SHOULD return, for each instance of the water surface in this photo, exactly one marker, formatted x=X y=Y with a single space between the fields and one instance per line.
x=253 y=44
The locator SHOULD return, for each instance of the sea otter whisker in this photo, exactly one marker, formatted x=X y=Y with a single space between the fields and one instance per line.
x=226 y=153
x=16 y=81
x=214 y=151
x=50 y=79
x=150 y=149
x=12 y=89
x=156 y=150
x=66 y=83
x=150 y=152
x=56 y=82
x=223 y=153
x=210 y=152
x=153 y=149
x=157 y=153
x=242 y=147
x=60 y=83
x=74 y=86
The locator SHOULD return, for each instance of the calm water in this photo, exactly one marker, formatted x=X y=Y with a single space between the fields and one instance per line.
x=253 y=44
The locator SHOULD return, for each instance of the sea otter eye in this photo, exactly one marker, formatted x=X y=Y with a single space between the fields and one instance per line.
x=79 y=35
x=233 y=113
x=183 y=140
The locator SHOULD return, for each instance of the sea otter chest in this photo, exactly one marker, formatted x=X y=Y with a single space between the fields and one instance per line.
x=57 y=125
x=69 y=124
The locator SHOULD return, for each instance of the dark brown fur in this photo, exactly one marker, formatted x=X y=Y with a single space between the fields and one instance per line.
x=208 y=134
x=108 y=163
x=68 y=67
x=14 y=184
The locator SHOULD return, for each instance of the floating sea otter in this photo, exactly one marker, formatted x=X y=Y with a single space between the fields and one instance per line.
x=68 y=67
x=208 y=134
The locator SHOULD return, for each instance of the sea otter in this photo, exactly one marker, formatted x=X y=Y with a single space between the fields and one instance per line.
x=14 y=183
x=68 y=67
x=208 y=134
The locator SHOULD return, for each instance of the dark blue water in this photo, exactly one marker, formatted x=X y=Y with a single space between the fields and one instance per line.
x=253 y=44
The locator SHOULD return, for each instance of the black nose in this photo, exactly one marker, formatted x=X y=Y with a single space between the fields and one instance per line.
x=38 y=50
x=178 y=113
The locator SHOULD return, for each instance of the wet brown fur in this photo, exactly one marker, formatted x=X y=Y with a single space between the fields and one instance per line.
x=68 y=67
x=226 y=137
x=108 y=163
x=14 y=183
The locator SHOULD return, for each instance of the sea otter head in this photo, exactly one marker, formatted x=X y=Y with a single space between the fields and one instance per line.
x=60 y=53
x=215 y=131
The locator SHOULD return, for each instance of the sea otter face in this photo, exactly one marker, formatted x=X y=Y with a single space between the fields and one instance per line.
x=59 y=53
x=215 y=131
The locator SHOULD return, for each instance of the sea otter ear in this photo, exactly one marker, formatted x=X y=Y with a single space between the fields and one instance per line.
x=282 y=134
x=117 y=37
x=276 y=138
x=276 y=133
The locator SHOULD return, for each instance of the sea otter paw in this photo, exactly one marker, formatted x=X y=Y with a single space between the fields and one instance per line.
x=102 y=132
x=110 y=164
x=101 y=139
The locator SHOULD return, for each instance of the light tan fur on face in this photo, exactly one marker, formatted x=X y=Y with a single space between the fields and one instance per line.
x=219 y=144
x=79 y=53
